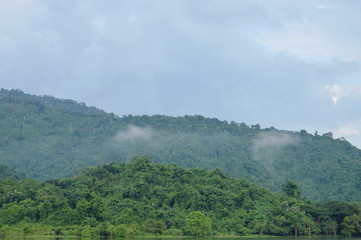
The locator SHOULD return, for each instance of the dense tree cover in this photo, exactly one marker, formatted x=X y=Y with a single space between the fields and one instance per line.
x=48 y=138
x=9 y=173
x=143 y=197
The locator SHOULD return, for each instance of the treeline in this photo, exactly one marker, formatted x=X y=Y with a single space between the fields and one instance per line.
x=141 y=197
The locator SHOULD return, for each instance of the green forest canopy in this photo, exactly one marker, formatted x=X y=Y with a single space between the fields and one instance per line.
x=143 y=197
x=9 y=173
x=46 y=138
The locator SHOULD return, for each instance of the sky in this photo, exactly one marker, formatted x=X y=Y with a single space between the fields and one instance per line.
x=280 y=63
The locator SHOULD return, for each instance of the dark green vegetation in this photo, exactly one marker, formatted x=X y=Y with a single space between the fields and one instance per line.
x=143 y=197
x=9 y=173
x=48 y=138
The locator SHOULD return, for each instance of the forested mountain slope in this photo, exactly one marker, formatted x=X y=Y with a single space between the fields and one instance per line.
x=48 y=138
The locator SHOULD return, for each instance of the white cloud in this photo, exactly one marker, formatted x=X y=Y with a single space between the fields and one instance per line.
x=323 y=7
x=264 y=145
x=347 y=130
x=335 y=92
x=6 y=6
x=273 y=139
x=312 y=43
x=319 y=35
x=338 y=91
x=134 y=133
x=350 y=130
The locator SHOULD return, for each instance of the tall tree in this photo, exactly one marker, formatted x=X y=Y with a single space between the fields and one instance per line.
x=197 y=223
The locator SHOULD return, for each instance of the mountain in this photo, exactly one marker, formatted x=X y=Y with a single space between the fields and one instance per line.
x=48 y=138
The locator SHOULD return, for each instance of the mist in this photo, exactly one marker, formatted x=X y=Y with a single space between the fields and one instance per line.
x=266 y=146
x=134 y=133
x=274 y=139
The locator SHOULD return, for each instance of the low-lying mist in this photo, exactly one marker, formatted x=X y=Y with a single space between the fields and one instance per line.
x=267 y=145
x=134 y=133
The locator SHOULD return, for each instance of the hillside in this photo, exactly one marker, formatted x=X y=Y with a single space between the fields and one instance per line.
x=48 y=138
x=145 y=197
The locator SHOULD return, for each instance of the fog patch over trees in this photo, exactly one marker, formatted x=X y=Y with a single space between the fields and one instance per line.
x=134 y=133
x=266 y=146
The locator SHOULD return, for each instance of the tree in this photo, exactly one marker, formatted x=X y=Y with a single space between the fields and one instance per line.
x=347 y=227
x=338 y=210
x=351 y=225
x=330 y=226
x=290 y=188
x=197 y=223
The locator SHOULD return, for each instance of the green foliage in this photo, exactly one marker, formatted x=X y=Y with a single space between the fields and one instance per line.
x=329 y=227
x=351 y=225
x=9 y=173
x=143 y=197
x=338 y=210
x=48 y=138
x=197 y=224
x=290 y=188
x=155 y=226
x=348 y=228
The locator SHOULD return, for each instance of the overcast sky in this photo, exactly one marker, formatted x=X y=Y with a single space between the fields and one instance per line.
x=283 y=63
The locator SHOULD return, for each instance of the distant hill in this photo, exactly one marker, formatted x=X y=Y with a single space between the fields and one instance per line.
x=48 y=138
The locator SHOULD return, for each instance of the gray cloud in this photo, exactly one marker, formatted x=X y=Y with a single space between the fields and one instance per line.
x=235 y=60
